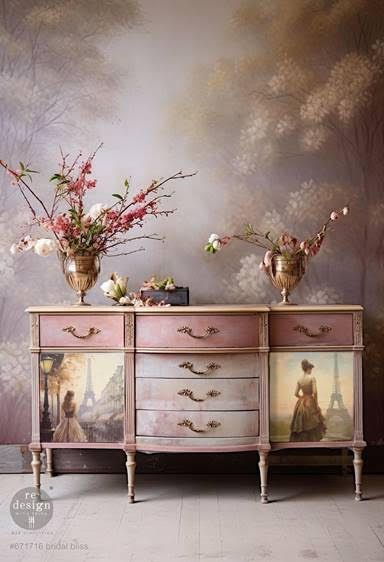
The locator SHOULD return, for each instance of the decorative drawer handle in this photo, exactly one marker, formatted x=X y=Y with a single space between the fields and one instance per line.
x=189 y=393
x=189 y=424
x=303 y=330
x=210 y=331
x=91 y=332
x=209 y=368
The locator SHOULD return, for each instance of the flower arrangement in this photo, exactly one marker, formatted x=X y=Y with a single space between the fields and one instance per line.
x=285 y=257
x=116 y=288
x=166 y=284
x=74 y=229
x=286 y=245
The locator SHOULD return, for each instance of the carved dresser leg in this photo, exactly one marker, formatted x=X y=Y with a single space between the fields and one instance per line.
x=36 y=466
x=263 y=467
x=49 y=461
x=358 y=466
x=131 y=465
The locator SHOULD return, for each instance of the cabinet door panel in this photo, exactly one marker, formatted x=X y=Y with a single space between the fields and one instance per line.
x=82 y=397
x=311 y=406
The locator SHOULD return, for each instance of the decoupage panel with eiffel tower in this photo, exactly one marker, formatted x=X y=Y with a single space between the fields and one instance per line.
x=311 y=396
x=82 y=397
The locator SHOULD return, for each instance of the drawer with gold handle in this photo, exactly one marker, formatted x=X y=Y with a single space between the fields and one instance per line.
x=197 y=424
x=194 y=365
x=82 y=330
x=310 y=329
x=207 y=331
x=200 y=394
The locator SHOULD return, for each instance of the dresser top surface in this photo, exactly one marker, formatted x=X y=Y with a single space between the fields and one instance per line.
x=206 y=308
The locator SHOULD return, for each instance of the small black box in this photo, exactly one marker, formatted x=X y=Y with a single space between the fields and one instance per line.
x=177 y=297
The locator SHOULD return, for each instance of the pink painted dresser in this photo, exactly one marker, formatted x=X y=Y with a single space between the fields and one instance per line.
x=196 y=379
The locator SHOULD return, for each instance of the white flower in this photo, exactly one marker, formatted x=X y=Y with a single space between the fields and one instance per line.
x=216 y=244
x=107 y=286
x=125 y=300
x=96 y=210
x=213 y=238
x=44 y=246
x=345 y=210
x=122 y=282
x=13 y=249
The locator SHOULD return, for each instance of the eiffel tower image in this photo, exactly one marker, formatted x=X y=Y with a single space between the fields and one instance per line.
x=337 y=420
x=89 y=399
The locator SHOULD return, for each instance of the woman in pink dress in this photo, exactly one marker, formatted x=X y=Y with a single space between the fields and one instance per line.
x=307 y=421
x=69 y=430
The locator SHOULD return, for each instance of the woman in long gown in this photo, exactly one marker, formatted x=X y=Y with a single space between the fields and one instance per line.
x=69 y=430
x=307 y=421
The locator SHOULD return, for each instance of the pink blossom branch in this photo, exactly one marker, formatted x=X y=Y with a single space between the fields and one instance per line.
x=20 y=179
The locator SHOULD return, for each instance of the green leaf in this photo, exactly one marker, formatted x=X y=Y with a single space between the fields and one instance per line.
x=126 y=184
x=118 y=196
x=22 y=167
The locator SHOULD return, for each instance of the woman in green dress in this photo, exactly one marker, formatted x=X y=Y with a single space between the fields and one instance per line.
x=307 y=421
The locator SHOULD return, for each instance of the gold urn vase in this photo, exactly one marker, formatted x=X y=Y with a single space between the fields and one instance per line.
x=81 y=272
x=285 y=273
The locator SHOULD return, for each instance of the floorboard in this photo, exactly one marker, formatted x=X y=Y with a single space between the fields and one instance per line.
x=183 y=518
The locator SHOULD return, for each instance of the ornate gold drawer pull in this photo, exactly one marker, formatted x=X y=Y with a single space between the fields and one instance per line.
x=210 y=331
x=189 y=393
x=209 y=368
x=190 y=425
x=303 y=330
x=91 y=332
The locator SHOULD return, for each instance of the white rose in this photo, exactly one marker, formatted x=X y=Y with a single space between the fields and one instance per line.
x=44 y=246
x=107 y=286
x=213 y=238
x=95 y=211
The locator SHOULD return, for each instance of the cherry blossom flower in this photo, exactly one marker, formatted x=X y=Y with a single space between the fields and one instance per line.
x=44 y=246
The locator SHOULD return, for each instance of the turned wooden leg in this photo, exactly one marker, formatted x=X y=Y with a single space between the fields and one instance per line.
x=36 y=466
x=49 y=462
x=131 y=465
x=263 y=467
x=358 y=466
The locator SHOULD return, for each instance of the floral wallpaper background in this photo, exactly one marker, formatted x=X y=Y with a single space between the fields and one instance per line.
x=279 y=105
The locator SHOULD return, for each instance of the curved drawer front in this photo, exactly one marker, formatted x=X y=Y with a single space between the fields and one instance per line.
x=197 y=424
x=299 y=330
x=179 y=394
x=82 y=330
x=195 y=366
x=197 y=331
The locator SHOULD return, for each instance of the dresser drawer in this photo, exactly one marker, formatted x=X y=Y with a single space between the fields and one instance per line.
x=298 y=330
x=197 y=331
x=197 y=366
x=197 y=424
x=82 y=330
x=179 y=394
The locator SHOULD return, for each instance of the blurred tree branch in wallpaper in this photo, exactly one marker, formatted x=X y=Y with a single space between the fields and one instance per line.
x=52 y=68
x=294 y=125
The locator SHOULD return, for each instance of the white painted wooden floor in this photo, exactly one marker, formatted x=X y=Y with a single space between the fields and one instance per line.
x=200 y=518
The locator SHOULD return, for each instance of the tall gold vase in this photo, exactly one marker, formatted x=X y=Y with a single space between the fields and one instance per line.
x=81 y=272
x=285 y=273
